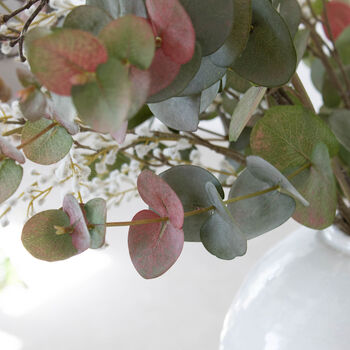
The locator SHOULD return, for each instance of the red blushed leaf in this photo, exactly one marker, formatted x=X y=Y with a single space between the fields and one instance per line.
x=80 y=236
x=172 y=23
x=65 y=58
x=338 y=16
x=161 y=197
x=154 y=248
x=163 y=71
x=140 y=86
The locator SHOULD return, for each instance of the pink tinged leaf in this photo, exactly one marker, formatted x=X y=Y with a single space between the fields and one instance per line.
x=173 y=25
x=120 y=134
x=155 y=247
x=80 y=236
x=140 y=87
x=161 y=197
x=65 y=58
x=339 y=17
x=163 y=72
x=11 y=151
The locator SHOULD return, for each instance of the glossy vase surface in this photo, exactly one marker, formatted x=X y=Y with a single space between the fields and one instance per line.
x=296 y=298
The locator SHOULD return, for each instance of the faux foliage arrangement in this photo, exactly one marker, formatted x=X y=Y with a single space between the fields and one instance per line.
x=104 y=70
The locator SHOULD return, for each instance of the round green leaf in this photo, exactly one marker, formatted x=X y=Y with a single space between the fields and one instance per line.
x=40 y=239
x=208 y=96
x=104 y=103
x=96 y=212
x=87 y=18
x=340 y=124
x=269 y=58
x=179 y=113
x=10 y=178
x=318 y=186
x=212 y=21
x=286 y=136
x=48 y=148
x=238 y=38
x=130 y=39
x=120 y=8
x=207 y=75
x=291 y=12
x=235 y=82
x=219 y=234
x=189 y=182
x=262 y=213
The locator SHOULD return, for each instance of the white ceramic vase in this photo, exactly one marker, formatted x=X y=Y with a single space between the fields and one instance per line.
x=296 y=298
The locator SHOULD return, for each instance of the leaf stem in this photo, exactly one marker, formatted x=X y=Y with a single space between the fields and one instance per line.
x=35 y=137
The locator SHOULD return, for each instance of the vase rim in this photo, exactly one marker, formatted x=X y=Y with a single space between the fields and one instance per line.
x=337 y=239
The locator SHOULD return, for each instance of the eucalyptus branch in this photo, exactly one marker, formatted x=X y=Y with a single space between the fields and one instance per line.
x=6 y=18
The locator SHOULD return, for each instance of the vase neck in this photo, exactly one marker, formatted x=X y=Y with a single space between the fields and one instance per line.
x=337 y=239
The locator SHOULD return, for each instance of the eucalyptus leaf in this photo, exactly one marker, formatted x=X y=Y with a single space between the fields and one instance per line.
x=10 y=178
x=262 y=213
x=48 y=148
x=207 y=75
x=343 y=45
x=318 y=186
x=96 y=212
x=301 y=40
x=179 y=113
x=208 y=96
x=235 y=82
x=219 y=234
x=33 y=107
x=185 y=75
x=238 y=38
x=291 y=12
x=269 y=58
x=87 y=18
x=212 y=21
x=189 y=182
x=64 y=58
x=40 y=239
x=119 y=8
x=266 y=172
x=245 y=109
x=340 y=124
x=104 y=103
x=130 y=39
x=287 y=135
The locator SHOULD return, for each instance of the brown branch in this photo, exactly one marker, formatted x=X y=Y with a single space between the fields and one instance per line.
x=20 y=39
x=6 y=18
